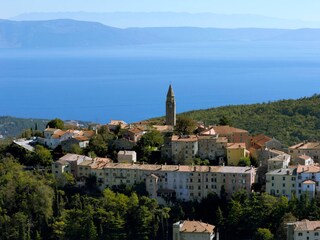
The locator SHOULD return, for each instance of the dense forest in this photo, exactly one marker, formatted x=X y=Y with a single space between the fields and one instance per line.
x=289 y=121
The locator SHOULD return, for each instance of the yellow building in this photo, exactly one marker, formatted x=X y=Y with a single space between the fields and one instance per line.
x=236 y=151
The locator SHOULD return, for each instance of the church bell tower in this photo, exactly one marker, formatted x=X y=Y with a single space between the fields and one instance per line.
x=170 y=108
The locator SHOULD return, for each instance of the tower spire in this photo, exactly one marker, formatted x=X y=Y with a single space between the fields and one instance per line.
x=170 y=107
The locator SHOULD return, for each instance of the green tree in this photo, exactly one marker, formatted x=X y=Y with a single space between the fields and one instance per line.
x=42 y=156
x=56 y=123
x=149 y=143
x=185 y=125
x=263 y=234
x=223 y=121
x=244 y=162
x=76 y=149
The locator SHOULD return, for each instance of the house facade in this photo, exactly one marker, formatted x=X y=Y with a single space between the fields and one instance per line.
x=193 y=230
x=184 y=147
x=302 y=230
x=297 y=180
x=236 y=151
x=311 y=149
x=163 y=182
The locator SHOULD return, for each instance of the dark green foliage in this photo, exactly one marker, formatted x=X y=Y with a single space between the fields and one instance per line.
x=148 y=144
x=56 y=123
x=289 y=121
x=263 y=234
x=26 y=202
x=245 y=161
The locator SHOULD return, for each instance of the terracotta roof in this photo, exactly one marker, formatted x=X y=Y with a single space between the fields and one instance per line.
x=186 y=138
x=308 y=169
x=179 y=168
x=70 y=157
x=196 y=226
x=81 y=138
x=260 y=140
x=136 y=130
x=306 y=225
x=236 y=145
x=89 y=133
x=58 y=133
x=164 y=128
x=225 y=130
x=307 y=145
x=282 y=157
x=309 y=182
x=99 y=163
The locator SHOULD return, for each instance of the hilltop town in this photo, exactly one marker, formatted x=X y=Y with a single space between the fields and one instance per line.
x=179 y=160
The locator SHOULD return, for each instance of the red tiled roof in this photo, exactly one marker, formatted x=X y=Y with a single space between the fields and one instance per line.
x=196 y=226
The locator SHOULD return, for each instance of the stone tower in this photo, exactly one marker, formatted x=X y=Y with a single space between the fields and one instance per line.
x=170 y=108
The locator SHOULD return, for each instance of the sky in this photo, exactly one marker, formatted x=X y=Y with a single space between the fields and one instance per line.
x=291 y=9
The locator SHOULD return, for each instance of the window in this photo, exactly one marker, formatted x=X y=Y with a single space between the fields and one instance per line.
x=299 y=234
x=316 y=234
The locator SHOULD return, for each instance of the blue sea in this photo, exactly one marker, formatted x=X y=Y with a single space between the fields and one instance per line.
x=130 y=83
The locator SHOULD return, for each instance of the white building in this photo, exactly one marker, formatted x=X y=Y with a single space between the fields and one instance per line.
x=299 y=180
x=193 y=230
x=303 y=230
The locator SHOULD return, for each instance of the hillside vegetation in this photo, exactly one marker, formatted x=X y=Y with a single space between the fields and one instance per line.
x=12 y=126
x=289 y=121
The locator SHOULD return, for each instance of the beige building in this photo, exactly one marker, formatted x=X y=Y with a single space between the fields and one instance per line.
x=303 y=160
x=193 y=230
x=278 y=162
x=184 y=147
x=127 y=156
x=297 y=180
x=212 y=147
x=164 y=182
x=169 y=182
x=281 y=182
x=311 y=149
x=303 y=230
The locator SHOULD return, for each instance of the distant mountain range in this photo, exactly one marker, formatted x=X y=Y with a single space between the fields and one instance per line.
x=79 y=34
x=174 y=19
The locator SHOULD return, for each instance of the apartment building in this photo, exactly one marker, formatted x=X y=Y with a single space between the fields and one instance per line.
x=164 y=182
x=311 y=149
x=212 y=147
x=298 y=180
x=282 y=182
x=184 y=147
x=302 y=230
